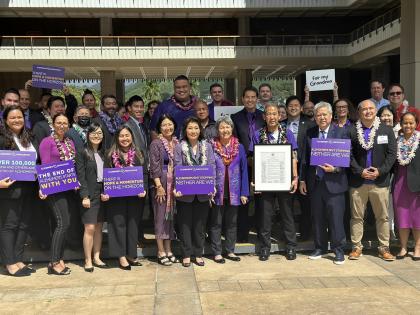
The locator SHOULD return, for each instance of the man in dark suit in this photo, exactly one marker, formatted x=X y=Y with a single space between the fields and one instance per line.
x=298 y=123
x=135 y=107
x=246 y=122
x=31 y=116
x=326 y=186
x=374 y=151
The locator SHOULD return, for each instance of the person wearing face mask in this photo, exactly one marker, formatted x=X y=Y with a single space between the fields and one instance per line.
x=109 y=119
x=179 y=106
x=77 y=132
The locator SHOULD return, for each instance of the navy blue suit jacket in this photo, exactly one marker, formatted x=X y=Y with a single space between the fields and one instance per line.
x=335 y=182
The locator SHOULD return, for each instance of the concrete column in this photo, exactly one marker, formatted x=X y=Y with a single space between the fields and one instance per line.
x=106 y=26
x=410 y=50
x=108 y=85
x=244 y=79
x=120 y=91
x=230 y=89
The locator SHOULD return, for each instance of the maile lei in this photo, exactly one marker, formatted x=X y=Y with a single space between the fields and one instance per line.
x=187 y=152
x=185 y=107
x=264 y=138
x=407 y=148
x=169 y=148
x=119 y=161
x=229 y=152
x=81 y=132
x=107 y=120
x=361 y=137
x=67 y=154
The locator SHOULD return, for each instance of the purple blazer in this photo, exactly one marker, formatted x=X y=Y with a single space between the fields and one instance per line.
x=180 y=160
x=238 y=178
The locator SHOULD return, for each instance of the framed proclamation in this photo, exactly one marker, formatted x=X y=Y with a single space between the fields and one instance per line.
x=272 y=167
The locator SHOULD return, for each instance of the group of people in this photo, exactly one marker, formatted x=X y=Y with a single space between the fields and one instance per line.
x=182 y=131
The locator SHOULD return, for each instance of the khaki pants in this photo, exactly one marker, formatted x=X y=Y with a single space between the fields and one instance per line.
x=379 y=199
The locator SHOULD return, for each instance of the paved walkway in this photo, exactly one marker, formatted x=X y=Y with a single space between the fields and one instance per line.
x=278 y=286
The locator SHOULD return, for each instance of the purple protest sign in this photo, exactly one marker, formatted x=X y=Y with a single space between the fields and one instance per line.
x=194 y=180
x=123 y=182
x=57 y=177
x=331 y=151
x=18 y=165
x=47 y=77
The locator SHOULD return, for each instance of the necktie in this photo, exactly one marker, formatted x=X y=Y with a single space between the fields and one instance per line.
x=319 y=171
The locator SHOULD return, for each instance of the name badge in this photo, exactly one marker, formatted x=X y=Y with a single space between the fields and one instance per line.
x=383 y=139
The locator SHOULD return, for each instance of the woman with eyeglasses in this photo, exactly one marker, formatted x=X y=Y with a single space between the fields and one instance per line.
x=89 y=167
x=56 y=148
x=344 y=113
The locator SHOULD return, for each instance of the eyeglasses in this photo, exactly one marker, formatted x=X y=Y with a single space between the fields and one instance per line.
x=96 y=134
x=395 y=93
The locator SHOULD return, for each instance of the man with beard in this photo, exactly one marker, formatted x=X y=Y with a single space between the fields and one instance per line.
x=78 y=131
x=208 y=124
x=31 y=116
x=308 y=110
x=179 y=106
x=108 y=119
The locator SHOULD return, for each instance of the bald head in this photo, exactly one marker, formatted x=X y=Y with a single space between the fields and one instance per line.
x=367 y=112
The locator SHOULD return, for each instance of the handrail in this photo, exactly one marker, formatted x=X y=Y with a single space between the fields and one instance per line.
x=204 y=41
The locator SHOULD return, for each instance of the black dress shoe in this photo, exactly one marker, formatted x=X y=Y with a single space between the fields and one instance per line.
x=88 y=269
x=101 y=266
x=128 y=267
x=29 y=269
x=399 y=257
x=233 y=258
x=415 y=258
x=264 y=257
x=135 y=263
x=20 y=273
x=64 y=272
x=220 y=260
x=291 y=254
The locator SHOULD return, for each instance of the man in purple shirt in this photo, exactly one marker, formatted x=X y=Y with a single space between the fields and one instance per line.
x=180 y=105
x=374 y=151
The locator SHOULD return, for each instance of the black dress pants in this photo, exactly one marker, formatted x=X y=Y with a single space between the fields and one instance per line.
x=123 y=214
x=191 y=219
x=265 y=219
x=13 y=230
x=59 y=204
x=226 y=214
x=327 y=216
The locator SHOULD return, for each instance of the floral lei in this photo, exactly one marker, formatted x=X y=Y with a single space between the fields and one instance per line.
x=187 y=152
x=229 y=152
x=169 y=151
x=263 y=137
x=64 y=155
x=107 y=121
x=182 y=106
x=361 y=137
x=81 y=132
x=118 y=161
x=49 y=121
x=407 y=149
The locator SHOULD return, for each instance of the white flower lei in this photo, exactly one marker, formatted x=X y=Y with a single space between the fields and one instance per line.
x=412 y=143
x=186 y=152
x=361 y=137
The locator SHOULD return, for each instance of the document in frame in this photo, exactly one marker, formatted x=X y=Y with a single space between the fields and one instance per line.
x=272 y=167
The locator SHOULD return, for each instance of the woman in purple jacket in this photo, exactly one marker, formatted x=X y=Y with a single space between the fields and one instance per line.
x=232 y=188
x=192 y=210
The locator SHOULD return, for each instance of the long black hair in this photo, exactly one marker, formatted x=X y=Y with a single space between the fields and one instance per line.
x=188 y=121
x=25 y=136
x=115 y=147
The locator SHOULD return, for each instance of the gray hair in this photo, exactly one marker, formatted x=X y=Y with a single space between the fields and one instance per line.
x=80 y=107
x=270 y=104
x=224 y=119
x=368 y=100
x=323 y=105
